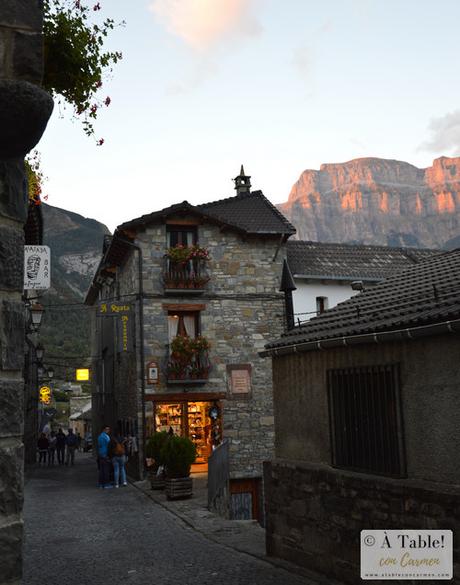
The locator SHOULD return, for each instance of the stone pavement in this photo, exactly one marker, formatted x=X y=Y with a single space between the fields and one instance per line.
x=77 y=534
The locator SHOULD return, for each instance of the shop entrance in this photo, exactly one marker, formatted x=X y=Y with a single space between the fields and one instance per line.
x=200 y=421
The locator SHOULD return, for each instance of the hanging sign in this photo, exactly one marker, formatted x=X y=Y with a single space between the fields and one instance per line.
x=152 y=373
x=44 y=395
x=82 y=374
x=37 y=261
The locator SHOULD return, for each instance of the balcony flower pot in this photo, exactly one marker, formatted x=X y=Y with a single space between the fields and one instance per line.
x=178 y=454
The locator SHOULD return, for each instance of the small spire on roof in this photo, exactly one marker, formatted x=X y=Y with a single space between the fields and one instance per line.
x=242 y=182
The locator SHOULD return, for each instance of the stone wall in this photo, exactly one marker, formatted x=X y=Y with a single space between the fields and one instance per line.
x=314 y=514
x=242 y=311
x=429 y=381
x=24 y=112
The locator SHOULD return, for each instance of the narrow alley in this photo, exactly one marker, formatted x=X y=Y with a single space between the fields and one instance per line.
x=77 y=534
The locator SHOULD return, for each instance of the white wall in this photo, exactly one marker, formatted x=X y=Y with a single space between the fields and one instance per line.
x=307 y=291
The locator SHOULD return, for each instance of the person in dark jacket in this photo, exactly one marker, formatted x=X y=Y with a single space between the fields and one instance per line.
x=60 y=446
x=42 y=445
x=72 y=445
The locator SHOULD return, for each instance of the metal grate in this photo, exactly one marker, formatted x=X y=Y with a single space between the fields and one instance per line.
x=365 y=419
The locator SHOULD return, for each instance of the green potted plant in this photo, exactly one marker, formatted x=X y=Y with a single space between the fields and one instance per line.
x=178 y=454
x=153 y=451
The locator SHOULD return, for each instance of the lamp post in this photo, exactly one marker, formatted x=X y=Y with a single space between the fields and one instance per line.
x=36 y=314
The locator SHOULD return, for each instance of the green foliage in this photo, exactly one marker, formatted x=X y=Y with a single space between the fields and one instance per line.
x=75 y=61
x=154 y=447
x=178 y=454
x=60 y=396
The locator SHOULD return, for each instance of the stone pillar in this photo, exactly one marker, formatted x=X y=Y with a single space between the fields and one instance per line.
x=24 y=112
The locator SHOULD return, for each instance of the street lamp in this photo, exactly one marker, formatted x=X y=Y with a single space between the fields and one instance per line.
x=40 y=371
x=50 y=373
x=39 y=351
x=36 y=314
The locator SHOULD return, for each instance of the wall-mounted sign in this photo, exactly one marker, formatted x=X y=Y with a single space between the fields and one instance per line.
x=124 y=333
x=239 y=378
x=114 y=309
x=44 y=394
x=37 y=263
x=82 y=374
x=152 y=373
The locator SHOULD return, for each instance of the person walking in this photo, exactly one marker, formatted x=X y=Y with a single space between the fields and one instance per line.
x=60 y=446
x=117 y=453
x=52 y=448
x=71 y=444
x=103 y=459
x=42 y=445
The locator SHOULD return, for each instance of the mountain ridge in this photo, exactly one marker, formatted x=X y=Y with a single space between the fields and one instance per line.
x=377 y=201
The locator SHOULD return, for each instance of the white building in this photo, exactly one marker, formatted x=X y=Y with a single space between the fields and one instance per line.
x=323 y=272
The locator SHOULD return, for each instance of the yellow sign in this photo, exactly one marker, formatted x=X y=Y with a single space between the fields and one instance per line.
x=44 y=395
x=82 y=374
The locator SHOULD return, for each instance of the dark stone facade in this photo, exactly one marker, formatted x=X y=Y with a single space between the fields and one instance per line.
x=315 y=514
x=24 y=112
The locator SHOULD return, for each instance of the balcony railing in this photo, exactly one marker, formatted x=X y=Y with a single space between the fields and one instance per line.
x=190 y=276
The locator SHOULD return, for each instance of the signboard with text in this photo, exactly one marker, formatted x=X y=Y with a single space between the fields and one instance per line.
x=37 y=263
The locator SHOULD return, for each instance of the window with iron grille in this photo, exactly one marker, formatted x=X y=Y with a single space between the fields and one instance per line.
x=365 y=419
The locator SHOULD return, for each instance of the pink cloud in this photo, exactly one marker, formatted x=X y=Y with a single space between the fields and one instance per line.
x=203 y=23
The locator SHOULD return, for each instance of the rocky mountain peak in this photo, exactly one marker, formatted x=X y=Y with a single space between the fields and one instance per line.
x=377 y=201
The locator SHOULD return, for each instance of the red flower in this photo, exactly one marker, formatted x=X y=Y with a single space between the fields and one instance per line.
x=107 y=101
x=100 y=142
x=97 y=7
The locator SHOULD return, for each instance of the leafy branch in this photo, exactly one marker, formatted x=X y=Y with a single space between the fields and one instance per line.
x=75 y=60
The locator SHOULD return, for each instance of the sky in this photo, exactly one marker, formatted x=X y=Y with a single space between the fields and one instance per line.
x=277 y=85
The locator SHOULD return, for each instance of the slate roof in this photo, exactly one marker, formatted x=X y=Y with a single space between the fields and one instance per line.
x=350 y=262
x=250 y=213
x=425 y=294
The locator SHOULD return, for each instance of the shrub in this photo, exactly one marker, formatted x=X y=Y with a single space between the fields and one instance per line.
x=178 y=455
x=154 y=447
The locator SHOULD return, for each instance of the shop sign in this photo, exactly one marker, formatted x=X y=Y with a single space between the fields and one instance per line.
x=114 y=309
x=152 y=373
x=44 y=395
x=37 y=268
x=82 y=374
x=124 y=336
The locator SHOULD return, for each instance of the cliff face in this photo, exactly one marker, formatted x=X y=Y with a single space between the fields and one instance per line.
x=378 y=201
x=76 y=249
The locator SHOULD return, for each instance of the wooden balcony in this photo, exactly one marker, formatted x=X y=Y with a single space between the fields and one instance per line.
x=186 y=278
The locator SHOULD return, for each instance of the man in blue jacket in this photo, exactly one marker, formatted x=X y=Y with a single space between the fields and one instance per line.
x=103 y=460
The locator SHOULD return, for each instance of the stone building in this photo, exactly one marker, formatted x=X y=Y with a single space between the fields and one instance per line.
x=366 y=420
x=24 y=112
x=230 y=301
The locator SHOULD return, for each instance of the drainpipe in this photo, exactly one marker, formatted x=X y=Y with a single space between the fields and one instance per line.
x=141 y=334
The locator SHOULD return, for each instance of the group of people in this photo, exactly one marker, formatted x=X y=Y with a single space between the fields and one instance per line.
x=50 y=444
x=111 y=459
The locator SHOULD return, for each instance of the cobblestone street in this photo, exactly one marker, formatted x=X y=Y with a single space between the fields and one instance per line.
x=77 y=534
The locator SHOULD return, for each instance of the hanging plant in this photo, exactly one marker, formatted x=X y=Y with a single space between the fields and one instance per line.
x=180 y=254
x=75 y=62
x=35 y=178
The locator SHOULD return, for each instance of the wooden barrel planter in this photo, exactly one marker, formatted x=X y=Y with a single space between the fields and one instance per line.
x=157 y=482
x=179 y=488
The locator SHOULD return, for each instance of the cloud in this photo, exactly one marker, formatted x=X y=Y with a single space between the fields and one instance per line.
x=444 y=134
x=203 y=23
